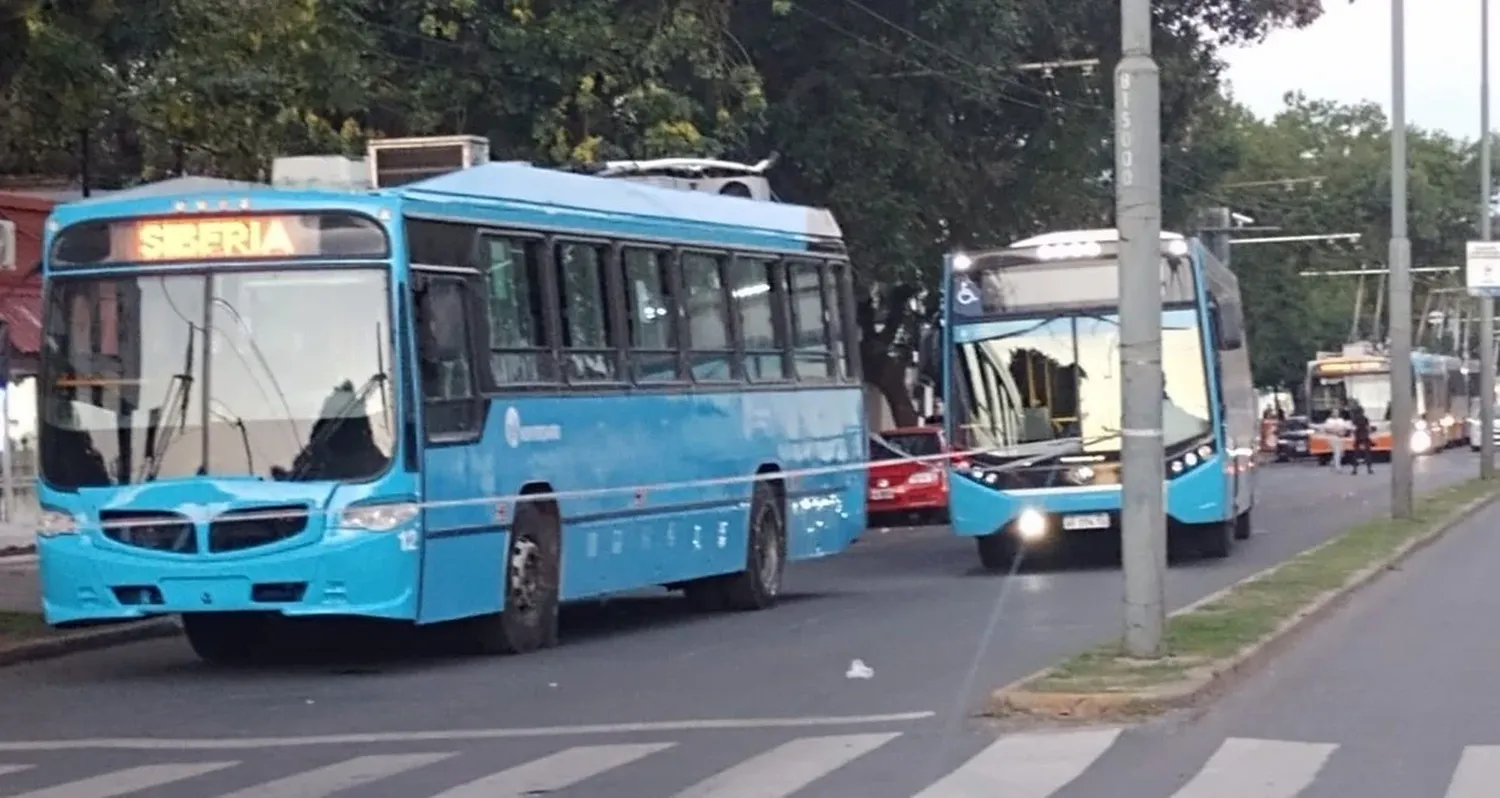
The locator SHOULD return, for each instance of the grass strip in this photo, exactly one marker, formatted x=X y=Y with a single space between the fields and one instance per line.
x=1254 y=609
x=17 y=627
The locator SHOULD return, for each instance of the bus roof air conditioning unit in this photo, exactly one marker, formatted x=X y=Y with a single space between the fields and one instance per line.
x=320 y=171
x=726 y=178
x=397 y=162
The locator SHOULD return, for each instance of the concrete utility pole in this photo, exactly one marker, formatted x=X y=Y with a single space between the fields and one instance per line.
x=1138 y=216
x=1486 y=303
x=1217 y=224
x=1400 y=290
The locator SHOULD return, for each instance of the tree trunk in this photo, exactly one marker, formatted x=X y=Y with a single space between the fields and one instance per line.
x=888 y=375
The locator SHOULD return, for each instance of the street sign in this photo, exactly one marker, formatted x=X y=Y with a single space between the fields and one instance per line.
x=1482 y=268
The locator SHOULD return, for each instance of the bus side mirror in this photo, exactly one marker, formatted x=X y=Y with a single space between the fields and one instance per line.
x=1229 y=327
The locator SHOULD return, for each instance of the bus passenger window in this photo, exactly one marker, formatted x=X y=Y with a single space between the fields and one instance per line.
x=518 y=351
x=588 y=346
x=708 y=318
x=761 y=326
x=651 y=314
x=809 y=321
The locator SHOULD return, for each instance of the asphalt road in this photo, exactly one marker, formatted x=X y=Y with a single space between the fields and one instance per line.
x=655 y=699
x=1393 y=697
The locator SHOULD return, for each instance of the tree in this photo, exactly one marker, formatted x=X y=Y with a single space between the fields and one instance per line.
x=1346 y=148
x=913 y=123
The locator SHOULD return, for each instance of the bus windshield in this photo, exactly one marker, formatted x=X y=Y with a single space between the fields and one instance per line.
x=1370 y=391
x=278 y=374
x=1041 y=382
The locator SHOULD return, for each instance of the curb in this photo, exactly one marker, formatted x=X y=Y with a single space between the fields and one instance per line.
x=87 y=640
x=1216 y=677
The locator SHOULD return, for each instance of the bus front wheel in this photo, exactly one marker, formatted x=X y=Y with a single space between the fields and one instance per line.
x=226 y=638
x=997 y=551
x=532 y=570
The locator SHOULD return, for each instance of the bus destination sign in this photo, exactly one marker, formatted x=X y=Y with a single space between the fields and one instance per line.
x=213 y=238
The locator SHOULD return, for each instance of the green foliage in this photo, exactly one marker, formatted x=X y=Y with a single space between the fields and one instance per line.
x=914 y=120
x=1291 y=317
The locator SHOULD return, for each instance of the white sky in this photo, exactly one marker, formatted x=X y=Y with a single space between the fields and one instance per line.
x=1346 y=56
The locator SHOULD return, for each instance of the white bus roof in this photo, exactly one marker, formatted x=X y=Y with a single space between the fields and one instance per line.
x=1107 y=235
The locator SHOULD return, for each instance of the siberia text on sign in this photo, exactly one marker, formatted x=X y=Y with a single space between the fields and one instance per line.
x=214 y=239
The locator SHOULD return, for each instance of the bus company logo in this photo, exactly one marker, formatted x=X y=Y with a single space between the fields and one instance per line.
x=517 y=433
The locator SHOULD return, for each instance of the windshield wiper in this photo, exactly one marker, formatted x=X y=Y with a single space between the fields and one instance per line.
x=335 y=422
x=228 y=417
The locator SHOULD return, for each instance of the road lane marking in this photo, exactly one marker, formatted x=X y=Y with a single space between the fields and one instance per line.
x=129 y=780
x=788 y=767
x=334 y=778
x=1025 y=765
x=6 y=770
x=555 y=772
x=1477 y=774
x=451 y=735
x=1246 y=768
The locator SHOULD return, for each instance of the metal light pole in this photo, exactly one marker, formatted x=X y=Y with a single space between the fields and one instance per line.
x=1486 y=303
x=1138 y=216
x=1400 y=288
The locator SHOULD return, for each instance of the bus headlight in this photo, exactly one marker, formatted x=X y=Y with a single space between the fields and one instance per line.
x=56 y=522
x=1420 y=441
x=378 y=517
x=1031 y=525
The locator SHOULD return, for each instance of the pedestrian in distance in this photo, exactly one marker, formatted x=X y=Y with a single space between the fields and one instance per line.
x=1335 y=428
x=1362 y=445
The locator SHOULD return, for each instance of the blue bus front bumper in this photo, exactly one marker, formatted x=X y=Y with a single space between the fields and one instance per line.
x=1197 y=497
x=363 y=574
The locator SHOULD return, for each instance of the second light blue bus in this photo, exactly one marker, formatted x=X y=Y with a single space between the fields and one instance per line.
x=1031 y=369
x=467 y=399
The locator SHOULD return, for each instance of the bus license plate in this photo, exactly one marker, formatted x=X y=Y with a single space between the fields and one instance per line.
x=883 y=493
x=1089 y=521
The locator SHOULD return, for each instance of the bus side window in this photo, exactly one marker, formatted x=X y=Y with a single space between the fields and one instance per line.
x=444 y=324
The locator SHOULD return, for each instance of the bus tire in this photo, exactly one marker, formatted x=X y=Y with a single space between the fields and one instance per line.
x=759 y=585
x=1242 y=526
x=1218 y=541
x=533 y=567
x=997 y=551
x=224 y=638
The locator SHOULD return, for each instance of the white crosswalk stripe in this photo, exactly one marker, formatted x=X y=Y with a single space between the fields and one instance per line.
x=787 y=768
x=1478 y=773
x=550 y=773
x=1025 y=765
x=1243 y=768
x=127 y=781
x=334 y=778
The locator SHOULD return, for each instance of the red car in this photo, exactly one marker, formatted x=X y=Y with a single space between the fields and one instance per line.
x=900 y=489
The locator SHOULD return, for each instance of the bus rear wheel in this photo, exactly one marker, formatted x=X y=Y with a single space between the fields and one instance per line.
x=532 y=587
x=226 y=638
x=757 y=587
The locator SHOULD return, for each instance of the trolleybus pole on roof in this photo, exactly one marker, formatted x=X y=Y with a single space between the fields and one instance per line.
x=1138 y=217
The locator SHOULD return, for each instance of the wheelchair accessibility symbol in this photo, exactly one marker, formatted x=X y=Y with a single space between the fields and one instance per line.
x=966 y=293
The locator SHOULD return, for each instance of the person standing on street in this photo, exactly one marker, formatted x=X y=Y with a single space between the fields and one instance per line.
x=1334 y=429
x=1362 y=443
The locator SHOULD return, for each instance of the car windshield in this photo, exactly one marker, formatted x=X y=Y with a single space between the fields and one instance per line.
x=918 y=444
x=287 y=382
x=1037 y=384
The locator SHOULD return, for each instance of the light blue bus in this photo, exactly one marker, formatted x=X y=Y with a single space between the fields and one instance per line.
x=1031 y=366
x=467 y=399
